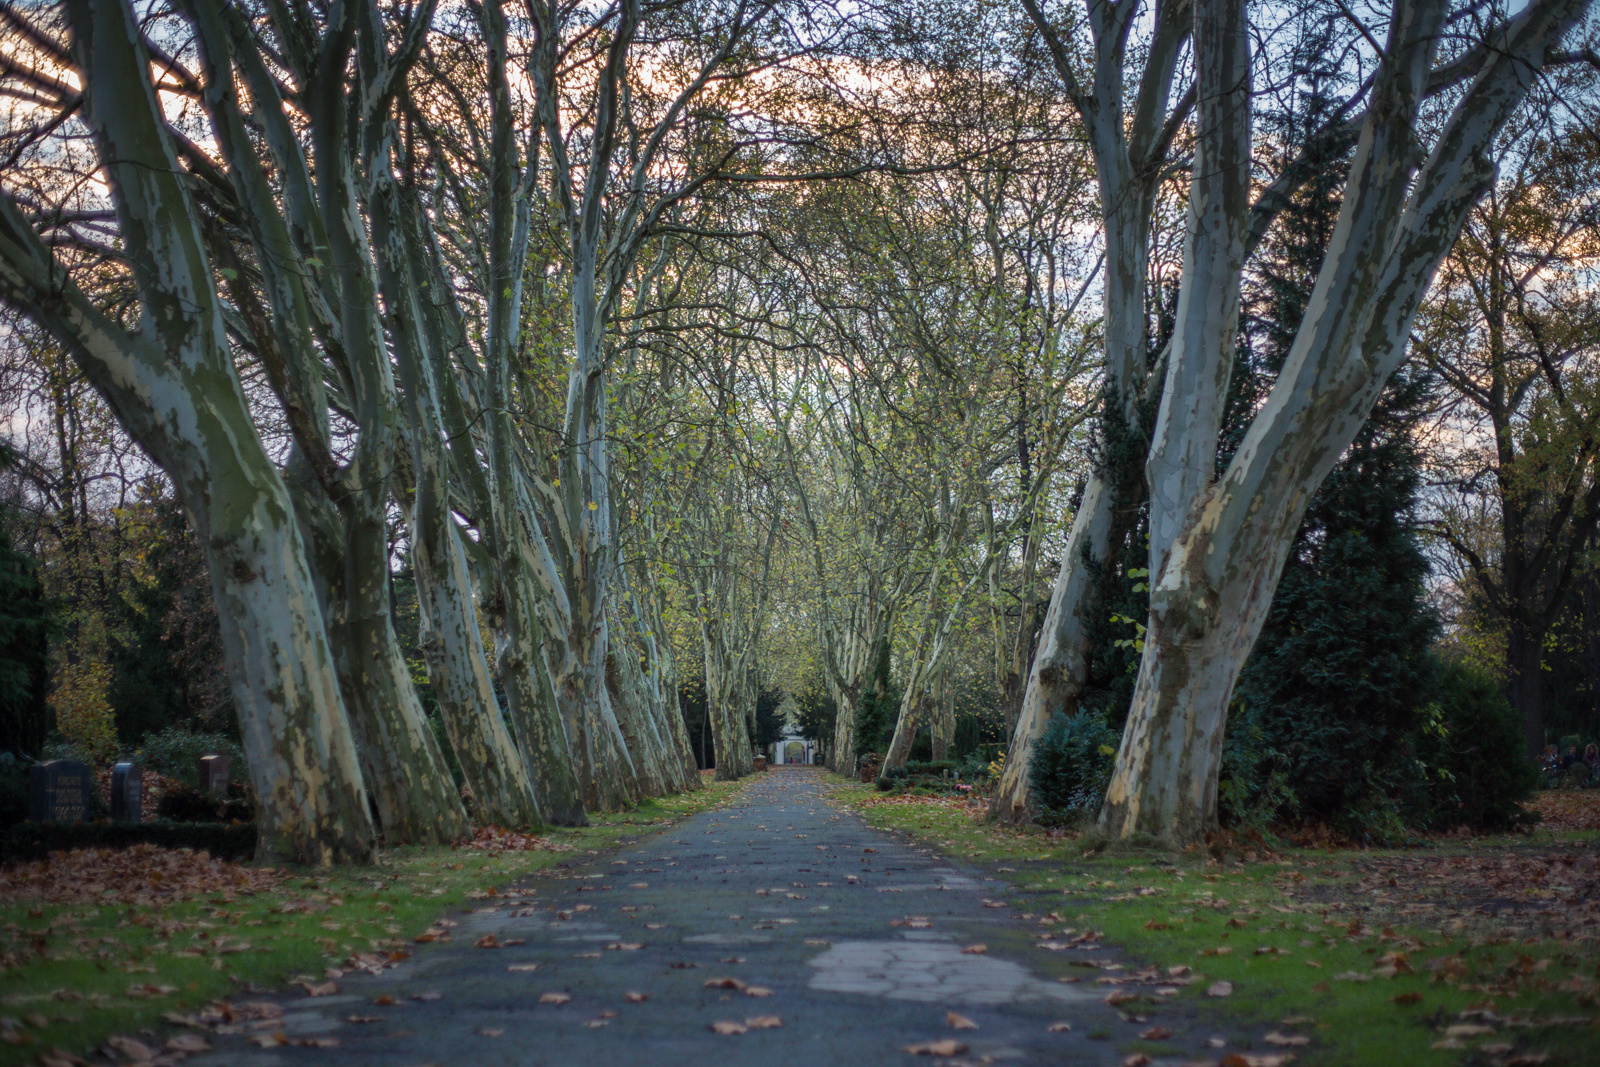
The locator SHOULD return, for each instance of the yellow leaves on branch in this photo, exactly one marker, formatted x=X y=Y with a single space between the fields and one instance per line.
x=82 y=712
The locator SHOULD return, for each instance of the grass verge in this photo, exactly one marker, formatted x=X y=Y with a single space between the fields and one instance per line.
x=1475 y=951
x=77 y=973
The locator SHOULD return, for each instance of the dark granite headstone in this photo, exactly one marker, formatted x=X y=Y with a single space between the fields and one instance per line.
x=58 y=791
x=127 y=793
x=214 y=775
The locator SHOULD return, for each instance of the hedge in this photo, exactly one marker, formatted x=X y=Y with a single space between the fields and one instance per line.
x=35 y=840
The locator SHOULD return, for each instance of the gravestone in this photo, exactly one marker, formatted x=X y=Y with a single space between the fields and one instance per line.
x=58 y=791
x=214 y=775
x=127 y=793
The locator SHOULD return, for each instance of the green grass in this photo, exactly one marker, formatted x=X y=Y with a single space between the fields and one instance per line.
x=1280 y=929
x=68 y=968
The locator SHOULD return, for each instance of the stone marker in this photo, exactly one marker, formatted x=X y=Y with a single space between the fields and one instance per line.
x=127 y=793
x=214 y=775
x=58 y=791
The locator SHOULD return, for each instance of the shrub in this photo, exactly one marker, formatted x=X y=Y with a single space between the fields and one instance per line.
x=1071 y=766
x=175 y=753
x=189 y=805
x=13 y=789
x=1476 y=769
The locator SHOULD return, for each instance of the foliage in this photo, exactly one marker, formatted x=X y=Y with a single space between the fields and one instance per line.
x=1476 y=770
x=817 y=714
x=1071 y=766
x=26 y=623
x=175 y=753
x=769 y=720
x=191 y=805
x=82 y=713
x=1341 y=670
x=166 y=647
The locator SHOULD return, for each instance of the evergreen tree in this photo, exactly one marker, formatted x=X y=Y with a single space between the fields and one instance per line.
x=1341 y=671
x=25 y=627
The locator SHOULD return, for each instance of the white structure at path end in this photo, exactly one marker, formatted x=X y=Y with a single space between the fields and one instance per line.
x=792 y=748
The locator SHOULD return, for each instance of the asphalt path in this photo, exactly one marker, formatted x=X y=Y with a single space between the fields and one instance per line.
x=777 y=929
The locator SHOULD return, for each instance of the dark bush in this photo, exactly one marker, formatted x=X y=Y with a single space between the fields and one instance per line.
x=1472 y=749
x=1071 y=766
x=191 y=805
x=175 y=753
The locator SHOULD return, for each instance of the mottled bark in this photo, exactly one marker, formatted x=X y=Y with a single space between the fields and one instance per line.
x=173 y=387
x=1213 y=592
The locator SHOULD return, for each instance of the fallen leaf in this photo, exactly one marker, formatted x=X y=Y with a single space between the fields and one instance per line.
x=132 y=1048
x=491 y=1031
x=386 y=999
x=1058 y=1028
x=975 y=950
x=1246 y=1059
x=724 y=983
x=957 y=1021
x=187 y=1043
x=727 y=1026
x=635 y=998
x=764 y=1022
x=1405 y=1000
x=1156 y=1033
x=1286 y=1040
x=363 y=1018
x=757 y=991
x=1220 y=989
x=947 y=1047
x=487 y=941
x=1138 y=1059
x=524 y=966
x=595 y=1024
x=320 y=989
x=554 y=998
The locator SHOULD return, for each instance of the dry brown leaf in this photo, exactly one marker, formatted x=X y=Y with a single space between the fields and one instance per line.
x=384 y=1000
x=1405 y=1000
x=948 y=1046
x=363 y=1018
x=1246 y=1059
x=635 y=998
x=764 y=1022
x=957 y=1021
x=187 y=1043
x=1156 y=1033
x=975 y=950
x=757 y=991
x=518 y=967
x=1220 y=989
x=1286 y=1040
x=320 y=989
x=727 y=1027
x=1138 y=1059
x=487 y=941
x=131 y=1047
x=1058 y=1028
x=724 y=983
x=554 y=998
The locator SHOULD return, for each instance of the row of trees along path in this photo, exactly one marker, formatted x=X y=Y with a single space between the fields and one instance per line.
x=758 y=333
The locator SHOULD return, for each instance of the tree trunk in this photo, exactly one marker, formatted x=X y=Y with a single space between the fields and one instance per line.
x=1060 y=666
x=458 y=669
x=1525 y=683
x=174 y=389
